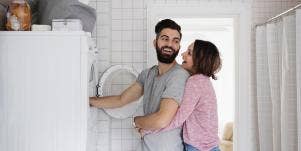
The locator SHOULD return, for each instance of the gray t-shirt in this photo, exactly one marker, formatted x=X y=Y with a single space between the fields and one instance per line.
x=169 y=85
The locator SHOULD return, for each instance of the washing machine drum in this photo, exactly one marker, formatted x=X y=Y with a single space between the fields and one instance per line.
x=113 y=82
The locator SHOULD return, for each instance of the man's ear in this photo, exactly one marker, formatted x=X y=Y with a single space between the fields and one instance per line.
x=154 y=42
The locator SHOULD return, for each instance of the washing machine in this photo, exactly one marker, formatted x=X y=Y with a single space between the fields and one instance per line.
x=44 y=90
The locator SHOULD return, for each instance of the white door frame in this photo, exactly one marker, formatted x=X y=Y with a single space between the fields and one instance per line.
x=241 y=13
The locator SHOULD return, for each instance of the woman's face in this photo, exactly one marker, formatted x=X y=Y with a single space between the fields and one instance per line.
x=187 y=58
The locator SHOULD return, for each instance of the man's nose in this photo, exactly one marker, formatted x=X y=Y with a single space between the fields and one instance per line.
x=169 y=43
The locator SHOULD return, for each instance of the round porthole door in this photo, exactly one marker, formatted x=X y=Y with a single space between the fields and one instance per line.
x=113 y=82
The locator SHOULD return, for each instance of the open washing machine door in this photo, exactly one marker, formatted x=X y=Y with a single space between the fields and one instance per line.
x=92 y=66
x=113 y=82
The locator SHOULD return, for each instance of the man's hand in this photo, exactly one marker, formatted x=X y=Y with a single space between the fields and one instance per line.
x=140 y=131
x=131 y=94
x=159 y=119
x=93 y=101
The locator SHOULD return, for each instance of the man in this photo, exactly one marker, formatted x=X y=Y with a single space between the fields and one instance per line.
x=162 y=86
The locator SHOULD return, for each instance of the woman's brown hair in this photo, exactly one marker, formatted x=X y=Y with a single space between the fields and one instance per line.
x=206 y=58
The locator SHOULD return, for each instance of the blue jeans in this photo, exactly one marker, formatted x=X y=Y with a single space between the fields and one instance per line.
x=188 y=147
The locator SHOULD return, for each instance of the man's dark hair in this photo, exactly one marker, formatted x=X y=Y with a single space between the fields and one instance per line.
x=206 y=58
x=167 y=23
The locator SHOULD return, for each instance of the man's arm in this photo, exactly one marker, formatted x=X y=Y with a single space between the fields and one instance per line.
x=132 y=93
x=159 y=119
x=193 y=94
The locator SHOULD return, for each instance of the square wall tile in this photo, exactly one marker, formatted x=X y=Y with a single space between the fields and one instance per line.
x=117 y=45
x=138 y=3
x=103 y=43
x=102 y=40
x=127 y=123
x=135 y=134
x=138 y=45
x=116 y=13
x=116 y=145
x=127 y=56
x=127 y=46
x=103 y=127
x=127 y=36
x=103 y=17
x=127 y=133
x=138 y=24
x=102 y=147
x=103 y=7
x=116 y=133
x=127 y=24
x=138 y=56
x=105 y=140
x=127 y=3
x=116 y=3
x=116 y=24
x=139 y=14
x=127 y=14
x=116 y=35
x=138 y=35
x=172 y=1
x=128 y=145
x=137 y=144
x=116 y=57
x=103 y=31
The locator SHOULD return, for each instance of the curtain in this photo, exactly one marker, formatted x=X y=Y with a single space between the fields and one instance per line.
x=278 y=104
x=274 y=37
x=298 y=67
x=288 y=86
x=264 y=104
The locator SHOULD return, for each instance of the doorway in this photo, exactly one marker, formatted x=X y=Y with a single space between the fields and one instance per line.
x=239 y=13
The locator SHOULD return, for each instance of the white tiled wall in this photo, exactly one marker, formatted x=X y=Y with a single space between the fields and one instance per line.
x=121 y=33
x=121 y=38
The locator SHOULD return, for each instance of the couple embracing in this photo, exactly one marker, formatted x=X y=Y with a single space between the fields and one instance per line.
x=179 y=101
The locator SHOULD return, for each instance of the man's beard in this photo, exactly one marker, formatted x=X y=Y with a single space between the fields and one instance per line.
x=165 y=58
